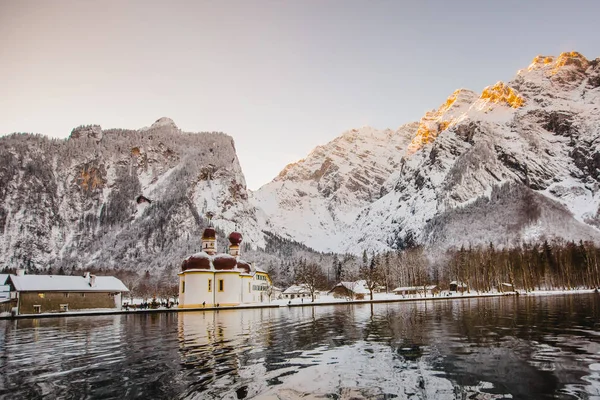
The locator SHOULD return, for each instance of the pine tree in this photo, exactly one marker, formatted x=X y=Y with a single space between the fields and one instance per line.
x=337 y=268
x=371 y=274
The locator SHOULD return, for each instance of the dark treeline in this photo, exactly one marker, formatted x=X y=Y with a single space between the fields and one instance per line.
x=527 y=267
x=537 y=266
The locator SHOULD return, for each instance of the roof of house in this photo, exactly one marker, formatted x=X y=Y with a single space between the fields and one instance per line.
x=258 y=269
x=64 y=283
x=458 y=284
x=3 y=278
x=296 y=289
x=357 y=287
x=411 y=288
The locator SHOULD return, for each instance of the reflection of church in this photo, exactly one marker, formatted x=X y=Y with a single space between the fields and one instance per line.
x=209 y=279
x=222 y=346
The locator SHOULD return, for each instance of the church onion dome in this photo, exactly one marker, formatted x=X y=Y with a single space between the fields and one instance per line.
x=196 y=261
x=235 y=238
x=224 y=262
x=209 y=233
x=243 y=265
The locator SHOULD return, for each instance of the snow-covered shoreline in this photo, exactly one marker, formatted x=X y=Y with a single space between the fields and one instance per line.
x=393 y=298
x=324 y=300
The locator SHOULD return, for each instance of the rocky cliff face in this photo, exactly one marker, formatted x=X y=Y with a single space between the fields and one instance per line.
x=117 y=198
x=520 y=161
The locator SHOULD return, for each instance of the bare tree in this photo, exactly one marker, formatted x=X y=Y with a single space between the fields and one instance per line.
x=416 y=265
x=386 y=271
x=311 y=275
x=131 y=280
x=371 y=274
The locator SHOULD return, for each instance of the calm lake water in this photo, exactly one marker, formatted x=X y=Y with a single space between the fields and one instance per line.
x=490 y=348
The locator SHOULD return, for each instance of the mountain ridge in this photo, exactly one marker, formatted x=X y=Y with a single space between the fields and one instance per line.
x=469 y=145
x=77 y=196
x=519 y=161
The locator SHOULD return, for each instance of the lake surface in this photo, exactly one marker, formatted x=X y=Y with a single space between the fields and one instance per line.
x=486 y=348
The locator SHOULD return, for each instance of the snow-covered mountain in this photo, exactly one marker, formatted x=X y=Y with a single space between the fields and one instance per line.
x=520 y=161
x=316 y=200
x=117 y=198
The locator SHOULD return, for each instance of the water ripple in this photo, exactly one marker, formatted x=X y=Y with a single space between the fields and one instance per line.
x=471 y=348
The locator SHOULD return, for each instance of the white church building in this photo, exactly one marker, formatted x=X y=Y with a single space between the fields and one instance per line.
x=208 y=279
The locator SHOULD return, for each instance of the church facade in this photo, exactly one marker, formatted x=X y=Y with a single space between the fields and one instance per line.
x=210 y=279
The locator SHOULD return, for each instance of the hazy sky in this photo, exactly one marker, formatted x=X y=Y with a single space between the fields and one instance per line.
x=281 y=77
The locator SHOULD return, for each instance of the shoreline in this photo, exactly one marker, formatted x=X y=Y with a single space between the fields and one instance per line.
x=285 y=305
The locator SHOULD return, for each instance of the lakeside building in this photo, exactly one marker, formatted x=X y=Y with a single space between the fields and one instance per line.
x=457 y=286
x=427 y=290
x=4 y=287
x=35 y=294
x=5 y=304
x=298 y=292
x=350 y=290
x=209 y=279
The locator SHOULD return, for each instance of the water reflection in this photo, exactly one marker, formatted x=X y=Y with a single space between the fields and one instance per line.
x=536 y=347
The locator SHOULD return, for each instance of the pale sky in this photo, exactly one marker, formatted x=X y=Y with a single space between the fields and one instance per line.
x=281 y=77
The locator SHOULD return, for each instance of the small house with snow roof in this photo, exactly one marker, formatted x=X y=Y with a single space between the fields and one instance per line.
x=425 y=290
x=458 y=286
x=298 y=292
x=350 y=290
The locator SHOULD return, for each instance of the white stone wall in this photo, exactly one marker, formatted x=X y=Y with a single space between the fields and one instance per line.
x=245 y=293
x=118 y=301
x=196 y=289
x=232 y=285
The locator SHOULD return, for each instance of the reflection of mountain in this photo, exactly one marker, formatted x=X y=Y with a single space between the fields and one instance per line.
x=513 y=344
x=483 y=348
x=478 y=348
